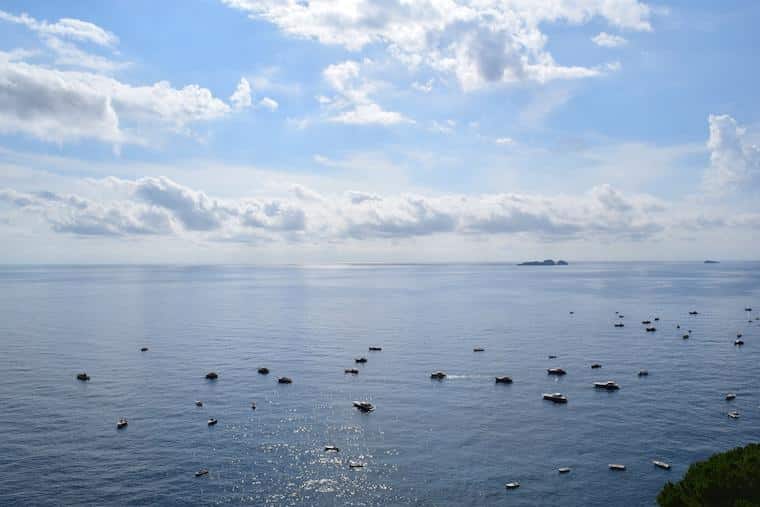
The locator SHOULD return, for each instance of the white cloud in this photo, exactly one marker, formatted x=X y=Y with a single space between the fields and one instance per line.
x=608 y=40
x=66 y=27
x=160 y=206
x=733 y=159
x=488 y=41
x=241 y=98
x=504 y=140
x=426 y=87
x=353 y=103
x=269 y=103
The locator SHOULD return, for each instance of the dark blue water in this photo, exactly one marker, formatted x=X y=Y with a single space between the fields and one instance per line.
x=455 y=442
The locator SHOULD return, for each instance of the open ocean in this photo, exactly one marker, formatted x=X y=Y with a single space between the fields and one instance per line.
x=453 y=442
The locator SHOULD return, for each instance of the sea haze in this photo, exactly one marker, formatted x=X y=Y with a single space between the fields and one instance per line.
x=453 y=442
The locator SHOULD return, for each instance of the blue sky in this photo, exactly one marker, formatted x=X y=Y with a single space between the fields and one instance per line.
x=385 y=130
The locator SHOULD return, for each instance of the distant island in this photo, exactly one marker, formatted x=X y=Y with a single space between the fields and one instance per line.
x=712 y=262
x=547 y=262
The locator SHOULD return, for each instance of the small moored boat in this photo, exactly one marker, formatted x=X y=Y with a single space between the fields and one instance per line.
x=661 y=464
x=686 y=336
x=352 y=371
x=355 y=464
x=478 y=349
x=375 y=349
x=564 y=470
x=619 y=324
x=263 y=371
x=595 y=366
x=738 y=342
x=253 y=405
x=364 y=406
x=212 y=375
x=438 y=375
x=201 y=472
x=284 y=380
x=651 y=329
x=616 y=466
x=609 y=385
x=694 y=312
x=212 y=422
x=121 y=423
x=646 y=321
x=198 y=403
x=733 y=414
x=504 y=380
x=83 y=377
x=331 y=448
x=555 y=371
x=512 y=485
x=555 y=397
x=643 y=373
x=361 y=360
x=730 y=396
x=144 y=349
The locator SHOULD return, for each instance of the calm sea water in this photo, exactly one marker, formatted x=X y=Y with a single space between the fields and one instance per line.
x=455 y=442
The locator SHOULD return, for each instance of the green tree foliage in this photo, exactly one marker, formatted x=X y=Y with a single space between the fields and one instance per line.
x=730 y=479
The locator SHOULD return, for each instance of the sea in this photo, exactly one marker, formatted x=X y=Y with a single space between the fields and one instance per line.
x=452 y=442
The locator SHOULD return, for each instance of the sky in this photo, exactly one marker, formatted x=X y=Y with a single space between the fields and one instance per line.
x=331 y=131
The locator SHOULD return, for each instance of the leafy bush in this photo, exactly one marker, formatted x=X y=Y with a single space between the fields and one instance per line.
x=730 y=479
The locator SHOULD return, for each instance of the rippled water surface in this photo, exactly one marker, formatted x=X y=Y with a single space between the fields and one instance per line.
x=455 y=442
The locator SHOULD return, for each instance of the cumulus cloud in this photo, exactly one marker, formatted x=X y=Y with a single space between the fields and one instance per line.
x=160 y=206
x=353 y=103
x=608 y=40
x=241 y=98
x=734 y=160
x=269 y=103
x=489 y=41
x=65 y=27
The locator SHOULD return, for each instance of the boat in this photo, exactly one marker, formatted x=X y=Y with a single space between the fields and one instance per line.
x=555 y=397
x=361 y=360
x=121 y=423
x=651 y=329
x=609 y=385
x=616 y=466
x=375 y=349
x=364 y=406
x=504 y=380
x=253 y=405
x=355 y=464
x=730 y=396
x=738 y=335
x=478 y=349
x=331 y=448
x=694 y=312
x=438 y=375
x=263 y=371
x=748 y=309
x=202 y=471
x=512 y=485
x=646 y=321
x=733 y=414
x=212 y=422
x=595 y=366
x=212 y=375
x=552 y=357
x=685 y=337
x=83 y=377
x=555 y=371
x=352 y=371
x=572 y=313
x=661 y=464
x=144 y=349
x=198 y=403
x=678 y=326
x=284 y=380
x=738 y=342
x=656 y=319
x=564 y=470
x=619 y=324
x=643 y=373
x=621 y=316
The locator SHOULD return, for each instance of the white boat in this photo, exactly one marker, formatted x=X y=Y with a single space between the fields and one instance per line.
x=616 y=466
x=730 y=396
x=564 y=470
x=661 y=464
x=121 y=423
x=212 y=422
x=198 y=403
x=331 y=448
x=512 y=485
x=355 y=464
x=643 y=373
x=733 y=414
x=202 y=471
x=555 y=371
x=555 y=397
